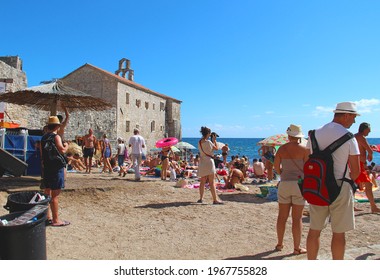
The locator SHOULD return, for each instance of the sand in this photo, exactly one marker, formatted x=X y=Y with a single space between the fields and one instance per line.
x=114 y=218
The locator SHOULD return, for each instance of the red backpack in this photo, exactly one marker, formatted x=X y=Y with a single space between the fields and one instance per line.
x=319 y=186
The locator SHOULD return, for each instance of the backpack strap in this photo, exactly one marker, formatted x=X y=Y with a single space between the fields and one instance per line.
x=314 y=143
x=333 y=146
x=339 y=142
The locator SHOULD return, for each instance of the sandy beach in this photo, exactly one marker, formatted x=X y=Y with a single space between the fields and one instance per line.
x=114 y=218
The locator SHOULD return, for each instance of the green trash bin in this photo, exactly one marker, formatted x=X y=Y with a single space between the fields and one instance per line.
x=26 y=241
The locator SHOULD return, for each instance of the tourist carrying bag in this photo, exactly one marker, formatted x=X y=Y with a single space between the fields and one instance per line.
x=52 y=157
x=319 y=186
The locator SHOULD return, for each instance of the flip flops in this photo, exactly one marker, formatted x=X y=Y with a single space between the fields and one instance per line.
x=218 y=202
x=299 y=251
x=61 y=224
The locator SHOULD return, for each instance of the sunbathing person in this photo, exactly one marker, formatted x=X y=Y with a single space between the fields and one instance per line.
x=75 y=162
x=236 y=176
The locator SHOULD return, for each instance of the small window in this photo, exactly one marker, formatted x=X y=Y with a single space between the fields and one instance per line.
x=152 y=126
x=162 y=128
x=162 y=106
x=127 y=126
x=154 y=106
x=138 y=103
x=147 y=105
x=127 y=95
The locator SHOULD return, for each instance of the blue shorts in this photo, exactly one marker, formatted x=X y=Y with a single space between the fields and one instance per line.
x=54 y=180
x=120 y=160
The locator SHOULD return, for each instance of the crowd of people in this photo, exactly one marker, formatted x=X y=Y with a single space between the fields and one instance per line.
x=286 y=164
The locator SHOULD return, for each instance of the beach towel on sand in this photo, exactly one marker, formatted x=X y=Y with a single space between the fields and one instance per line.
x=361 y=197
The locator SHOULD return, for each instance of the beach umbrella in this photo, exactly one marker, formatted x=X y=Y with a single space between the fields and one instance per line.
x=185 y=145
x=277 y=140
x=49 y=96
x=274 y=140
x=175 y=149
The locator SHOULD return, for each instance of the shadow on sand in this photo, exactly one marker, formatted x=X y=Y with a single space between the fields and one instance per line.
x=243 y=197
x=9 y=183
x=261 y=256
x=166 y=205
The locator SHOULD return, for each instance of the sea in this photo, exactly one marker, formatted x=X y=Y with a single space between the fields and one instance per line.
x=248 y=147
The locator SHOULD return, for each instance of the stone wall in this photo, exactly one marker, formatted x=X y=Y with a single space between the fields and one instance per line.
x=9 y=72
x=133 y=107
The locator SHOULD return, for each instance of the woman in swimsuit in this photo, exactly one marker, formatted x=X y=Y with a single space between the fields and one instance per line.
x=107 y=154
x=165 y=162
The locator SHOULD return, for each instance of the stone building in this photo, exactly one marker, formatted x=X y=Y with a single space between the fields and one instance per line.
x=134 y=106
x=13 y=78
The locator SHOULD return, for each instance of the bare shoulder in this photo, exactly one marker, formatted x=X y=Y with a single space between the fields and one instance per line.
x=360 y=138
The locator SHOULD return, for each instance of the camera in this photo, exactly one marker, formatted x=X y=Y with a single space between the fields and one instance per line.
x=214 y=135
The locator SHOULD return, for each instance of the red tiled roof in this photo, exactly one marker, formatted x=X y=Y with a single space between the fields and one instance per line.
x=125 y=81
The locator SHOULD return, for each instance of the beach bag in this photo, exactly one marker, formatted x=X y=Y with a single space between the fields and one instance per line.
x=319 y=186
x=51 y=156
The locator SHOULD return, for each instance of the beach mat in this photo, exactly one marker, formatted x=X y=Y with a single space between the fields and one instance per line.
x=361 y=197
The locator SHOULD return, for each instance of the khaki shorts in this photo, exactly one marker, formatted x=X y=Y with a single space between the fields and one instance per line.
x=289 y=193
x=340 y=212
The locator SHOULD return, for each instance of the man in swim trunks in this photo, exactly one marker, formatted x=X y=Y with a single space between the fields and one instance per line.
x=225 y=150
x=364 y=180
x=88 y=147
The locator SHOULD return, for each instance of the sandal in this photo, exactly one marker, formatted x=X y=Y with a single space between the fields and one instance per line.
x=299 y=251
x=279 y=247
x=61 y=224
x=218 y=202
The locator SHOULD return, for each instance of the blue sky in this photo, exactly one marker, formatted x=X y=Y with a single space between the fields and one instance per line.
x=244 y=68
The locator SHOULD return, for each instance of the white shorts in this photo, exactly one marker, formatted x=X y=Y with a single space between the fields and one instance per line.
x=289 y=193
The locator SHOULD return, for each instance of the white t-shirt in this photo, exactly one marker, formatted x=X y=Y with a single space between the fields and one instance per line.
x=121 y=147
x=137 y=142
x=327 y=135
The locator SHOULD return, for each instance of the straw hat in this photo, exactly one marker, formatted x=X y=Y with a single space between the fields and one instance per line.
x=53 y=120
x=295 y=131
x=346 y=108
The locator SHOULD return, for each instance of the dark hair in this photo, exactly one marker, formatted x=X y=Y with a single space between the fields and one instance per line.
x=205 y=130
x=363 y=126
x=60 y=118
x=53 y=126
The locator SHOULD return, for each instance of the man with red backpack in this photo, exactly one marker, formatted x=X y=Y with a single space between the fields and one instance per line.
x=341 y=211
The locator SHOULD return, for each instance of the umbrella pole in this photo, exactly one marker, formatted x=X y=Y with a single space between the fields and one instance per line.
x=53 y=108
